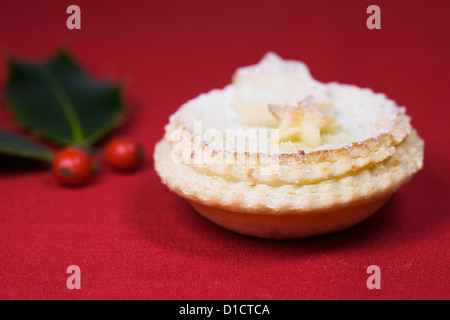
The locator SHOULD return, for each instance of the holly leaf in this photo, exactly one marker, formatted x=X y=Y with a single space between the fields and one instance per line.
x=58 y=101
x=13 y=144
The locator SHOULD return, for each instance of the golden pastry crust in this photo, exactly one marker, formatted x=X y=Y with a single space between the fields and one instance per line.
x=343 y=151
x=243 y=196
x=295 y=168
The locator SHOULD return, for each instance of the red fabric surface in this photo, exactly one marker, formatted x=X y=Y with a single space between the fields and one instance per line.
x=133 y=238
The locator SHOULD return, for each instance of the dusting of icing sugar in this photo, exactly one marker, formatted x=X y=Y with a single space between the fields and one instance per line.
x=361 y=113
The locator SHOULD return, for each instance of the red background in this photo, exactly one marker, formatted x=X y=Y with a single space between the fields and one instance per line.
x=133 y=238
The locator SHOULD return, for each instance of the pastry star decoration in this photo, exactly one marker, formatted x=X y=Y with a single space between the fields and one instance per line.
x=303 y=122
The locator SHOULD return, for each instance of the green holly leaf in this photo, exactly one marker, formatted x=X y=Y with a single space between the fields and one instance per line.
x=16 y=145
x=58 y=101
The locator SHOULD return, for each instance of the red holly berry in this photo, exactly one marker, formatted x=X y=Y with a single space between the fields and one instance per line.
x=124 y=154
x=72 y=166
